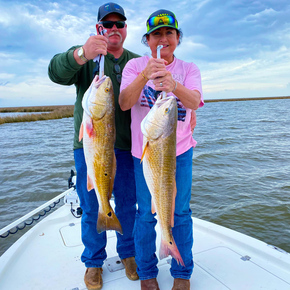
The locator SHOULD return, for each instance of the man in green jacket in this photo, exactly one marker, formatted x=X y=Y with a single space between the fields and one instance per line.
x=76 y=66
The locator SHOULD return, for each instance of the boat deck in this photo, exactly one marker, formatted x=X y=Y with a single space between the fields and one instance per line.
x=48 y=257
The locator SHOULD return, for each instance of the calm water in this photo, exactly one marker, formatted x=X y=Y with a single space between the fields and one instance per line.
x=241 y=167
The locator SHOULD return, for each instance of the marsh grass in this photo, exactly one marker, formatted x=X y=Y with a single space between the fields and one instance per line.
x=66 y=111
x=49 y=113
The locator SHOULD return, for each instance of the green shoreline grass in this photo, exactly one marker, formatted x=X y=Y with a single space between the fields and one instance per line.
x=50 y=113
x=66 y=111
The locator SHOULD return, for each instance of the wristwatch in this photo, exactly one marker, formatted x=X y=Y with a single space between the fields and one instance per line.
x=81 y=54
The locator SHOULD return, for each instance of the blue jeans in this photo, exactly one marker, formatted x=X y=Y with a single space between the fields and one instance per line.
x=124 y=192
x=144 y=232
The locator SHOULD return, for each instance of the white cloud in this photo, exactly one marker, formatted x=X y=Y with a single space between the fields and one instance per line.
x=267 y=74
x=38 y=90
x=240 y=47
x=265 y=13
x=6 y=76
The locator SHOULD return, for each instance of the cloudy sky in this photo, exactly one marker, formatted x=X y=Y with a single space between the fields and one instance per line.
x=242 y=47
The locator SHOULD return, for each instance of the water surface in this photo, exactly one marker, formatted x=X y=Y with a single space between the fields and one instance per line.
x=241 y=167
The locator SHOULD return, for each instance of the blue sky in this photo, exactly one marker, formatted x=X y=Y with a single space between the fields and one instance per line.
x=241 y=47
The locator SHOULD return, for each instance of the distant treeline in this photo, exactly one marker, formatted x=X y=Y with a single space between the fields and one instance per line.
x=49 y=113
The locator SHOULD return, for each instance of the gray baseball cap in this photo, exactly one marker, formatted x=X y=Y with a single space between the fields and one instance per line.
x=109 y=8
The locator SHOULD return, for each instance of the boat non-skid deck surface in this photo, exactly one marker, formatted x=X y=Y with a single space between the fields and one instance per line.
x=48 y=257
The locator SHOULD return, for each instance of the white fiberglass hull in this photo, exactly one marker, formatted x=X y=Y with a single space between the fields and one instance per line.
x=48 y=257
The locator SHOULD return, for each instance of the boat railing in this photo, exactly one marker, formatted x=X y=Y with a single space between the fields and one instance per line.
x=70 y=198
x=21 y=220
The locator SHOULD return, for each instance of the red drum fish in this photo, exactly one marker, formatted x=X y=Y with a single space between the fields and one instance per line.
x=98 y=134
x=159 y=166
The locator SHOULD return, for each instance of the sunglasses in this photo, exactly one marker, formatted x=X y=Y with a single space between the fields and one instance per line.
x=116 y=70
x=110 y=24
x=162 y=20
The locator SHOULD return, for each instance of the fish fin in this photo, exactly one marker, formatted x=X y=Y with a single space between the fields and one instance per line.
x=90 y=128
x=81 y=135
x=108 y=221
x=173 y=203
x=113 y=177
x=163 y=252
x=90 y=184
x=144 y=150
x=153 y=208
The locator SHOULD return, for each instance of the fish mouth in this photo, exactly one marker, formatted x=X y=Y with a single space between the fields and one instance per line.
x=160 y=100
x=98 y=82
x=86 y=102
x=97 y=85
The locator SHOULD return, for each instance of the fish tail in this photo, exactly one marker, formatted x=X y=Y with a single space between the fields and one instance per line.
x=108 y=221
x=167 y=249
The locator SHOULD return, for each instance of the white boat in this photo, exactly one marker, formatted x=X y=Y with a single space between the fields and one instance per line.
x=48 y=257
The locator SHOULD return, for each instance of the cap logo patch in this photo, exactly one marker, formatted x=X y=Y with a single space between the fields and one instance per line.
x=117 y=7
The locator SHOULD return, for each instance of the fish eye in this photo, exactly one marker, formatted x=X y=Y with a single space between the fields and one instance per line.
x=107 y=90
x=167 y=110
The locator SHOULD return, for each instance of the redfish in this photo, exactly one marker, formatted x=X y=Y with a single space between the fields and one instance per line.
x=99 y=134
x=159 y=166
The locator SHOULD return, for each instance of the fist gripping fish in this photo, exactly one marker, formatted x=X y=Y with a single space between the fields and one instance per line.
x=159 y=165
x=98 y=134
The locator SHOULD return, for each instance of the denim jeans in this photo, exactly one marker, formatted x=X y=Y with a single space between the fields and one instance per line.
x=144 y=232
x=124 y=192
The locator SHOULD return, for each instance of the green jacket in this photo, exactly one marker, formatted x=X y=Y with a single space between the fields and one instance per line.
x=64 y=70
